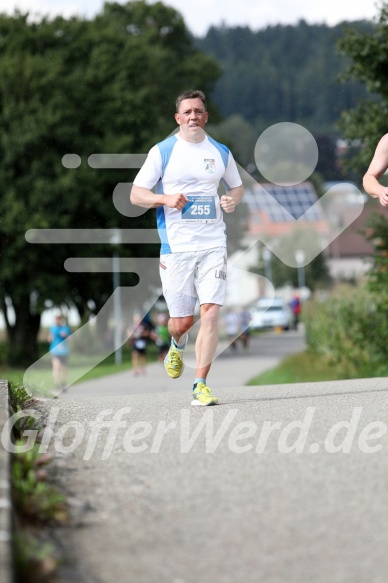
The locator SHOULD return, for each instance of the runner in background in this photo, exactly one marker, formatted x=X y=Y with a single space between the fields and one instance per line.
x=59 y=349
x=139 y=340
x=162 y=336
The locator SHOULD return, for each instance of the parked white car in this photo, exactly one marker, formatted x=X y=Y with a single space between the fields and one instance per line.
x=271 y=313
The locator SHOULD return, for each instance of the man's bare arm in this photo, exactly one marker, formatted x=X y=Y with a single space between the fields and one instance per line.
x=232 y=198
x=375 y=171
x=148 y=199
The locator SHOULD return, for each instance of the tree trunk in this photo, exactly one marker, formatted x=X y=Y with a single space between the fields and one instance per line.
x=23 y=334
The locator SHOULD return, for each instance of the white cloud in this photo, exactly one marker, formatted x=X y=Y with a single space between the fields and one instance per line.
x=201 y=14
x=65 y=8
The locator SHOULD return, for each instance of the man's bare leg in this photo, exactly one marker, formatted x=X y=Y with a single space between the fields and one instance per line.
x=207 y=339
x=205 y=349
x=173 y=362
x=178 y=327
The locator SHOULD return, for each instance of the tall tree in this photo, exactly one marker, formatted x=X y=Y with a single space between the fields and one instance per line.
x=367 y=123
x=283 y=73
x=316 y=272
x=368 y=54
x=78 y=86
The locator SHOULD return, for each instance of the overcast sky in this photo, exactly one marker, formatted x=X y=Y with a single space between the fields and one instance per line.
x=200 y=14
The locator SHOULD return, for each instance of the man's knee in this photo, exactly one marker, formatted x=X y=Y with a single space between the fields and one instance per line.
x=179 y=326
x=210 y=314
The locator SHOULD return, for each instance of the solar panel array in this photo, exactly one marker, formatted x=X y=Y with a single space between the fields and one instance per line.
x=284 y=203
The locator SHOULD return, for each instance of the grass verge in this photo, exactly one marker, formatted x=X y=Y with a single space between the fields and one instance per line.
x=299 y=368
x=78 y=362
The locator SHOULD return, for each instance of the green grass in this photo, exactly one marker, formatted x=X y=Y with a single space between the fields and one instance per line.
x=13 y=375
x=300 y=368
x=78 y=363
x=108 y=366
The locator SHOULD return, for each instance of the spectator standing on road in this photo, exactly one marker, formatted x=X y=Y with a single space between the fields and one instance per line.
x=378 y=166
x=187 y=168
x=296 y=308
x=59 y=349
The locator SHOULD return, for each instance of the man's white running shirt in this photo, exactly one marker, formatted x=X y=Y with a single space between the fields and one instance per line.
x=194 y=169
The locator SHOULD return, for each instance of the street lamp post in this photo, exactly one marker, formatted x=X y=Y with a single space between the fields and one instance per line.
x=267 y=256
x=300 y=257
x=117 y=317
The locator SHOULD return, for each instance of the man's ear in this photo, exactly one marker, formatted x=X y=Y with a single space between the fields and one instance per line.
x=177 y=118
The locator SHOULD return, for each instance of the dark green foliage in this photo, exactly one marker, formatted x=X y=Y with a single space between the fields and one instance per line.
x=106 y=85
x=283 y=73
x=34 y=498
x=377 y=233
x=368 y=53
x=316 y=273
x=350 y=330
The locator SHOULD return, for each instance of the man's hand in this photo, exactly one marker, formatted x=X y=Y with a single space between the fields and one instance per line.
x=228 y=203
x=175 y=201
x=383 y=196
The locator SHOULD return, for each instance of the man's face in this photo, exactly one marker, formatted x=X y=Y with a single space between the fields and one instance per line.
x=192 y=118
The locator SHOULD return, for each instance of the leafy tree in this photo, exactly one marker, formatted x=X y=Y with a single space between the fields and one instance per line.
x=351 y=328
x=83 y=87
x=377 y=233
x=367 y=123
x=237 y=134
x=327 y=165
x=316 y=271
x=368 y=54
x=283 y=73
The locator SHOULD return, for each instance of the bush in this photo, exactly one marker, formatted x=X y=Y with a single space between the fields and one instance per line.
x=351 y=329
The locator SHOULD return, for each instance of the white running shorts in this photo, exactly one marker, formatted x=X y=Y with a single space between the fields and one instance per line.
x=193 y=275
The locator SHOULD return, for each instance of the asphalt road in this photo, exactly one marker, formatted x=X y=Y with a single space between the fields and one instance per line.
x=276 y=484
x=229 y=369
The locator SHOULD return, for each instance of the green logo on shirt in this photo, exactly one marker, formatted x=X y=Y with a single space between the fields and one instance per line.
x=210 y=165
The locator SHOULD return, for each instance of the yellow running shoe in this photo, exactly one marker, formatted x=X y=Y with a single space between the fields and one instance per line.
x=202 y=396
x=173 y=363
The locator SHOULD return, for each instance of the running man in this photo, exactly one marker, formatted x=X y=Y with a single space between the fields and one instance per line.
x=187 y=169
x=375 y=171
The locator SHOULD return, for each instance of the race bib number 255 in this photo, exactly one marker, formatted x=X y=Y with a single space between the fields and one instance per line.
x=199 y=209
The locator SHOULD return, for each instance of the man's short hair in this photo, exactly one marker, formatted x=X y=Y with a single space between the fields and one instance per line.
x=190 y=94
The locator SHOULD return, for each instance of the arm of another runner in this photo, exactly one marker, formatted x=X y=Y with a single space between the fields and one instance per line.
x=232 y=198
x=375 y=171
x=148 y=199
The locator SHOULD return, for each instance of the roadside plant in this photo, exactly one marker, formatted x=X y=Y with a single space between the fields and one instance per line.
x=350 y=330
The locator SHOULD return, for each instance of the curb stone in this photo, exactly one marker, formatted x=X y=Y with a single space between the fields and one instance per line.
x=5 y=493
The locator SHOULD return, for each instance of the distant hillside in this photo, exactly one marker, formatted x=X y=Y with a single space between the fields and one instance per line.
x=283 y=73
